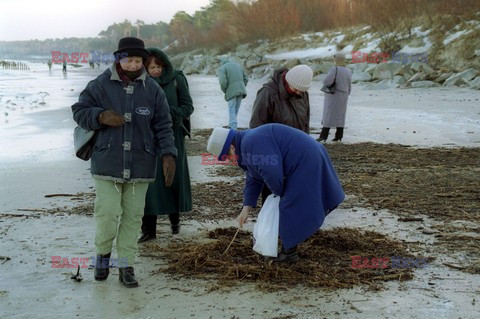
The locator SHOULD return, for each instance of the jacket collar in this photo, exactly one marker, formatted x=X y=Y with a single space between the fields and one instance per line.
x=116 y=77
x=282 y=90
x=238 y=148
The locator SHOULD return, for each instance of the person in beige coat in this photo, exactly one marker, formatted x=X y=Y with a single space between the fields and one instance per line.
x=335 y=105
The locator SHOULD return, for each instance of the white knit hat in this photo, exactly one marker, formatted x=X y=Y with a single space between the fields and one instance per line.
x=300 y=77
x=220 y=140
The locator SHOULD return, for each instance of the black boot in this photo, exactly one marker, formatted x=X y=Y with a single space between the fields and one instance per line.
x=287 y=255
x=149 y=228
x=323 y=134
x=174 y=223
x=102 y=267
x=146 y=237
x=175 y=229
x=338 y=134
x=127 y=277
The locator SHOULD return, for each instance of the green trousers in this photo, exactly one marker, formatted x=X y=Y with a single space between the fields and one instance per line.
x=118 y=214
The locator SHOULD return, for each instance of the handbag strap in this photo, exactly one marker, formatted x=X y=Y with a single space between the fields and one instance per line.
x=335 y=78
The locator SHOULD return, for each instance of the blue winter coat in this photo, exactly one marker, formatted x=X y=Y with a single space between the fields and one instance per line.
x=297 y=168
x=127 y=153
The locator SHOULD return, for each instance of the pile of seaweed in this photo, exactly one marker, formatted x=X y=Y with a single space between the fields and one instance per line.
x=325 y=260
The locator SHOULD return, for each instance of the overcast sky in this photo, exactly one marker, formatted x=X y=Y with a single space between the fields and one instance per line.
x=42 y=19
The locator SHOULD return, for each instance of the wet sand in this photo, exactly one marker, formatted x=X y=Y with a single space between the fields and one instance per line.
x=30 y=287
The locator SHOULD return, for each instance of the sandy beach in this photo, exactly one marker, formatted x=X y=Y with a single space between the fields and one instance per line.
x=37 y=160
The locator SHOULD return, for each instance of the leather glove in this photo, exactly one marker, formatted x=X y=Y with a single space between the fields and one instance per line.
x=168 y=169
x=111 y=118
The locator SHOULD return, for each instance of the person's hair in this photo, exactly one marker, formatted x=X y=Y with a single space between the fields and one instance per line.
x=153 y=58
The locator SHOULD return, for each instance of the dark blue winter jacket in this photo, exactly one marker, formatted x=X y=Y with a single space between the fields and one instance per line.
x=295 y=167
x=126 y=153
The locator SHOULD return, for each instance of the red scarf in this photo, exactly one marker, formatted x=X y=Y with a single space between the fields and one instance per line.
x=127 y=76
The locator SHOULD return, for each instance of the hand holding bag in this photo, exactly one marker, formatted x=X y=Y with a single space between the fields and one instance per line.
x=83 y=141
x=265 y=232
x=331 y=88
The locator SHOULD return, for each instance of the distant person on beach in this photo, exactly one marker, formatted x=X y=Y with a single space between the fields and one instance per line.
x=49 y=65
x=294 y=166
x=284 y=99
x=160 y=199
x=131 y=117
x=335 y=105
x=233 y=81
x=64 y=69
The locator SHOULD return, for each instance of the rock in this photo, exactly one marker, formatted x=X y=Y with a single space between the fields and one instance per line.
x=416 y=66
x=426 y=68
x=461 y=78
x=399 y=80
x=253 y=61
x=291 y=63
x=260 y=70
x=417 y=77
x=454 y=80
x=469 y=74
x=243 y=51
x=322 y=67
x=357 y=67
x=386 y=71
x=371 y=68
x=257 y=65
x=475 y=84
x=361 y=77
x=424 y=84
x=316 y=68
x=406 y=71
x=440 y=79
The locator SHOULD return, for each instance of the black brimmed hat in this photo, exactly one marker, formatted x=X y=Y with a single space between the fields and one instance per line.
x=132 y=47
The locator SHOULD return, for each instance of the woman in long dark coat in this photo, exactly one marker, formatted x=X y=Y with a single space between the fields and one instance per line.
x=161 y=200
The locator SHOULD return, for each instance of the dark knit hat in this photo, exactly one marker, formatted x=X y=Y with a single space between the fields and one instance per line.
x=132 y=47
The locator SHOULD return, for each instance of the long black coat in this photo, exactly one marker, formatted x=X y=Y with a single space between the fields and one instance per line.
x=177 y=198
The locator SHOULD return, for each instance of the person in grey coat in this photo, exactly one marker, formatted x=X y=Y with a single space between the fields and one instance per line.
x=335 y=105
x=233 y=81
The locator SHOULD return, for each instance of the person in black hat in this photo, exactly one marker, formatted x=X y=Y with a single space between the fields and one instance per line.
x=131 y=117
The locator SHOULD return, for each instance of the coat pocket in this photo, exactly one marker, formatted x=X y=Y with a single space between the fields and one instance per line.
x=102 y=144
x=150 y=149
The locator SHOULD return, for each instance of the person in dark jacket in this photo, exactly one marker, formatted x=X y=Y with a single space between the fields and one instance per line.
x=130 y=114
x=177 y=198
x=233 y=81
x=294 y=166
x=284 y=99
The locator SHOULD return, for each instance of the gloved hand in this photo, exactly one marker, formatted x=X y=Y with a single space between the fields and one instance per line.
x=111 y=118
x=168 y=169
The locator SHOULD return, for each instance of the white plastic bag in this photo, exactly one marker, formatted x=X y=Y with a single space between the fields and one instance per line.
x=265 y=232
